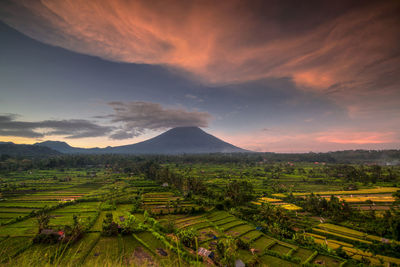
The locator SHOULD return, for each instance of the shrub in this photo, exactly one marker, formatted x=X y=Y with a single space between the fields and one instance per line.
x=110 y=228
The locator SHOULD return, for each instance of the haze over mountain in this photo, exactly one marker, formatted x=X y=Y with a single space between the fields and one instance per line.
x=180 y=140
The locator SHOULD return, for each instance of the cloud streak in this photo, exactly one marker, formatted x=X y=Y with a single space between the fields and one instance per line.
x=129 y=119
x=72 y=129
x=139 y=117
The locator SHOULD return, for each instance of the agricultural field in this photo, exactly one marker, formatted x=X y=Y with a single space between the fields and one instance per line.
x=229 y=211
x=166 y=203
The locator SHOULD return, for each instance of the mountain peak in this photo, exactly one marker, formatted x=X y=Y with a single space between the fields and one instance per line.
x=181 y=140
x=178 y=140
x=60 y=146
x=61 y=143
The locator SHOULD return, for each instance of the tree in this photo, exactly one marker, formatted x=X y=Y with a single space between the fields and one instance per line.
x=240 y=192
x=110 y=228
x=188 y=237
x=226 y=248
x=43 y=221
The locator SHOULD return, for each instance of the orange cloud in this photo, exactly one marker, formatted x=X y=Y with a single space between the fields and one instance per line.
x=358 y=137
x=313 y=79
x=214 y=39
x=352 y=57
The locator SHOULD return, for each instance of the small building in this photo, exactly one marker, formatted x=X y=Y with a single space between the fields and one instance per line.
x=205 y=253
x=60 y=234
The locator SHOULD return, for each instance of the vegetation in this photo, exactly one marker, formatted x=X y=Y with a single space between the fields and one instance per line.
x=107 y=210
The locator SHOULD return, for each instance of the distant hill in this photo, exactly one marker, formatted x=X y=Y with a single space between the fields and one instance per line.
x=64 y=148
x=27 y=150
x=3 y=143
x=180 y=140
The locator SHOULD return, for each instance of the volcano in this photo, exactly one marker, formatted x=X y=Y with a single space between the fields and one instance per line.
x=179 y=140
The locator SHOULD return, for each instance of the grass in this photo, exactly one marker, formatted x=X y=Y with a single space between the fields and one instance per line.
x=326 y=261
x=353 y=192
x=98 y=225
x=106 y=249
x=38 y=255
x=268 y=199
x=302 y=254
x=262 y=242
x=24 y=228
x=225 y=220
x=239 y=230
x=252 y=235
x=340 y=229
x=342 y=236
x=280 y=249
x=94 y=250
x=290 y=207
x=77 y=253
x=340 y=243
x=227 y=226
x=274 y=261
x=348 y=232
x=13 y=245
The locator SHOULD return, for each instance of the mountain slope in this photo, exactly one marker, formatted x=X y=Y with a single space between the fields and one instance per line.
x=27 y=150
x=189 y=140
x=180 y=140
x=64 y=148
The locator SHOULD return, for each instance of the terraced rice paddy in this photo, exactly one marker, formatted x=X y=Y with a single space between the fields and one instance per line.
x=91 y=198
x=9 y=247
x=106 y=249
x=231 y=226
x=165 y=203
x=379 y=190
x=352 y=236
x=277 y=202
x=280 y=249
x=273 y=261
x=262 y=243
x=302 y=254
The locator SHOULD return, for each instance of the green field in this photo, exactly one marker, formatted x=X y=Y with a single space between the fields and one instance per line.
x=285 y=227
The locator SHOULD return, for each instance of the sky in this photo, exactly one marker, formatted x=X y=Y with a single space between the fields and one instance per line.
x=274 y=76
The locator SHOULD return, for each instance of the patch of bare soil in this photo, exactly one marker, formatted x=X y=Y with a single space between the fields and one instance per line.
x=140 y=258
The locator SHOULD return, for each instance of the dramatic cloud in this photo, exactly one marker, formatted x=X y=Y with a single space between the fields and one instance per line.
x=138 y=117
x=347 y=49
x=341 y=52
x=129 y=120
x=225 y=41
x=72 y=129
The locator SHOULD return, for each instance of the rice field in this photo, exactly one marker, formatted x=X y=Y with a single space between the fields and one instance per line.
x=262 y=243
x=274 y=261
x=11 y=246
x=280 y=249
x=378 y=190
x=106 y=249
x=211 y=226
x=302 y=254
